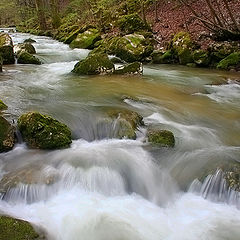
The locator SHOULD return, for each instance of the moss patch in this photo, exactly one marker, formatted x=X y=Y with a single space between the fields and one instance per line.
x=44 y=132
x=94 y=64
x=6 y=49
x=230 y=61
x=15 y=229
x=131 y=68
x=201 y=58
x=27 y=58
x=162 y=138
x=3 y=106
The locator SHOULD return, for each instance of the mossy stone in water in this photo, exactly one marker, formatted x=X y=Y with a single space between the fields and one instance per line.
x=94 y=64
x=29 y=40
x=7 y=139
x=6 y=49
x=160 y=57
x=232 y=60
x=44 y=132
x=162 y=138
x=16 y=229
x=134 y=68
x=27 y=58
x=27 y=47
x=201 y=57
x=3 y=106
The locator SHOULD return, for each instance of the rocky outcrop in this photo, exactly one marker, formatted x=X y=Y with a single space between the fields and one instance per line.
x=161 y=138
x=44 y=132
x=7 y=138
x=86 y=39
x=6 y=49
x=16 y=229
x=94 y=64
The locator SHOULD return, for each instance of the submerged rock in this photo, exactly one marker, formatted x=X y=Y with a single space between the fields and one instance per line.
x=16 y=229
x=6 y=49
x=231 y=61
x=94 y=64
x=29 y=40
x=7 y=138
x=27 y=58
x=3 y=106
x=86 y=39
x=162 y=138
x=44 y=132
x=131 y=69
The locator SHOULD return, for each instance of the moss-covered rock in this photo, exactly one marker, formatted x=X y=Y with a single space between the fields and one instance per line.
x=134 y=68
x=29 y=40
x=3 y=106
x=6 y=49
x=44 y=132
x=130 y=48
x=127 y=122
x=27 y=58
x=162 y=138
x=24 y=47
x=231 y=61
x=7 y=138
x=86 y=39
x=183 y=46
x=16 y=229
x=132 y=23
x=201 y=58
x=94 y=64
x=162 y=57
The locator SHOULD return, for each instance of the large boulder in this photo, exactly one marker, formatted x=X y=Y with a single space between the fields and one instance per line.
x=44 y=132
x=24 y=47
x=27 y=58
x=6 y=49
x=127 y=122
x=7 y=138
x=132 y=23
x=94 y=64
x=86 y=39
x=161 y=138
x=183 y=46
x=130 y=48
x=134 y=68
x=231 y=61
x=16 y=229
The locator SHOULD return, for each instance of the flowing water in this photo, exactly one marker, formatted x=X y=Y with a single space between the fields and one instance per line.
x=102 y=188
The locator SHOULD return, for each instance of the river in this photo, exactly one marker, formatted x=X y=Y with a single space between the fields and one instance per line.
x=103 y=188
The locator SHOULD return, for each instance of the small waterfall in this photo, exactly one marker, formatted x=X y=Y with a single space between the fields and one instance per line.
x=215 y=188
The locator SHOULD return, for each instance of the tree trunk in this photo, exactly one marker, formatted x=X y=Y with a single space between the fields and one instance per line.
x=41 y=14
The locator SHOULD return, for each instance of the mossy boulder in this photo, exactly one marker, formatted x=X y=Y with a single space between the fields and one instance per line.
x=127 y=122
x=94 y=64
x=231 y=61
x=27 y=58
x=6 y=49
x=16 y=229
x=134 y=68
x=183 y=46
x=29 y=40
x=86 y=39
x=201 y=58
x=44 y=132
x=161 y=138
x=130 y=48
x=3 y=106
x=7 y=138
x=24 y=47
x=132 y=23
x=162 y=57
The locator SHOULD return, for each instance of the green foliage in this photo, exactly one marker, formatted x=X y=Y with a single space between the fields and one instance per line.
x=44 y=132
x=231 y=60
x=163 y=138
x=97 y=63
x=15 y=229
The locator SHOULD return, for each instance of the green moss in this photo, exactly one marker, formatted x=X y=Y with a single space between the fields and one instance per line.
x=163 y=138
x=44 y=132
x=86 y=40
x=6 y=135
x=161 y=57
x=6 y=49
x=201 y=58
x=131 y=68
x=230 y=61
x=132 y=23
x=185 y=56
x=97 y=63
x=15 y=229
x=72 y=36
x=3 y=106
x=27 y=58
